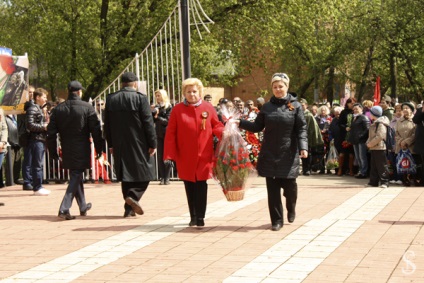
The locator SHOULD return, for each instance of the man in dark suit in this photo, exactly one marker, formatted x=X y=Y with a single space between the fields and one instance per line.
x=131 y=135
x=74 y=120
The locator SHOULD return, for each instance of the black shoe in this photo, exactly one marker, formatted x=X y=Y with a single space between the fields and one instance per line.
x=329 y=172
x=200 y=222
x=167 y=182
x=193 y=222
x=27 y=187
x=65 y=215
x=134 y=205
x=162 y=182
x=322 y=172
x=2 y=185
x=129 y=213
x=276 y=227
x=87 y=208
x=360 y=176
x=307 y=173
x=19 y=182
x=291 y=216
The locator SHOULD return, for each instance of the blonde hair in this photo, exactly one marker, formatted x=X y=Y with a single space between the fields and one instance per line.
x=280 y=77
x=164 y=96
x=323 y=107
x=367 y=103
x=193 y=82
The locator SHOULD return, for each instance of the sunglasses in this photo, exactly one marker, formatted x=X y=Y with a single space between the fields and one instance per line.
x=281 y=75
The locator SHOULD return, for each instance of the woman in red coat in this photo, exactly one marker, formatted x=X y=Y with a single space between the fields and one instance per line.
x=189 y=142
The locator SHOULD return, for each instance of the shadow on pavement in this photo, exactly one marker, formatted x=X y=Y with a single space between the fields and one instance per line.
x=55 y=218
x=401 y=222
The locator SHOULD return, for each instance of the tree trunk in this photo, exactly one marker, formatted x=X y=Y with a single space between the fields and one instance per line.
x=366 y=72
x=329 y=88
x=411 y=76
x=305 y=86
x=393 y=73
x=74 y=26
x=104 y=26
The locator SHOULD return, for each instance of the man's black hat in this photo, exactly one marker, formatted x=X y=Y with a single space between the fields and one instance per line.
x=129 y=77
x=75 y=86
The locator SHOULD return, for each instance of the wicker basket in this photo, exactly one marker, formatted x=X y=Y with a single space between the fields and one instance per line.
x=234 y=195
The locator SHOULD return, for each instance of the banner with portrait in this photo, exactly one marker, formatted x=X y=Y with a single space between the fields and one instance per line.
x=13 y=83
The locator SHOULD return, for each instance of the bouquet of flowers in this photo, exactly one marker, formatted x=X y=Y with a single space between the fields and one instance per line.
x=232 y=165
x=252 y=139
x=332 y=157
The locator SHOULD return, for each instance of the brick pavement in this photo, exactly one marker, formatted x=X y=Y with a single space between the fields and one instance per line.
x=343 y=232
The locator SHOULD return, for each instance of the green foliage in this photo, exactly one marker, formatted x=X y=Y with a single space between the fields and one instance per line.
x=93 y=40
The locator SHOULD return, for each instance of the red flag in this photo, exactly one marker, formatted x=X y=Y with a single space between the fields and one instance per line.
x=377 y=92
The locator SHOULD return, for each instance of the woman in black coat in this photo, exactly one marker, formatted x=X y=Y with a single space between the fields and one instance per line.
x=347 y=149
x=419 y=140
x=285 y=138
x=358 y=137
x=161 y=113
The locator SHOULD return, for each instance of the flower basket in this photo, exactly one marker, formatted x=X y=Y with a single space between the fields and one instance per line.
x=234 y=195
x=232 y=165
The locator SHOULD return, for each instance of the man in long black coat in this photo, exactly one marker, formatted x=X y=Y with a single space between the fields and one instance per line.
x=131 y=135
x=74 y=120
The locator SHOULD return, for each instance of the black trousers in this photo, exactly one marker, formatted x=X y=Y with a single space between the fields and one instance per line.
x=133 y=190
x=378 y=168
x=164 y=167
x=75 y=190
x=197 y=195
x=275 y=206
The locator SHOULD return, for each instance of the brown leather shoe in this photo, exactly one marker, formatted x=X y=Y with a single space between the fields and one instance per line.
x=65 y=215
x=136 y=207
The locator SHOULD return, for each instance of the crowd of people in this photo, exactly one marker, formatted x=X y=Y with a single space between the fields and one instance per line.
x=285 y=137
x=361 y=144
